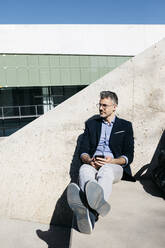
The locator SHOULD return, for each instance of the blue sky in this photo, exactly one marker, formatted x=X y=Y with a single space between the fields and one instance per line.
x=82 y=12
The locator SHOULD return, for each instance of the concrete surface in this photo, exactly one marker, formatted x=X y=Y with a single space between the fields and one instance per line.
x=136 y=220
x=20 y=234
x=36 y=161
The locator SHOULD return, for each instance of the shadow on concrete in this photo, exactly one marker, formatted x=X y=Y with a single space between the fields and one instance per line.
x=62 y=221
x=56 y=236
x=59 y=233
x=144 y=175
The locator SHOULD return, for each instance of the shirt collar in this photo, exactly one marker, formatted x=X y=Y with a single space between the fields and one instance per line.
x=111 y=123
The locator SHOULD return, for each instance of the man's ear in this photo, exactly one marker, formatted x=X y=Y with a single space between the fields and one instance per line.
x=115 y=106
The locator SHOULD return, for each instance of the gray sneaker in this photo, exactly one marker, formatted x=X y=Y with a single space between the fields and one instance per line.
x=80 y=211
x=95 y=198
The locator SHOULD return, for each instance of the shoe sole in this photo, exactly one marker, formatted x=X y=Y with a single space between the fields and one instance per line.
x=95 y=198
x=80 y=211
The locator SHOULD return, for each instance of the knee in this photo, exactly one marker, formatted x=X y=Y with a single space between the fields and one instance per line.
x=85 y=168
x=106 y=170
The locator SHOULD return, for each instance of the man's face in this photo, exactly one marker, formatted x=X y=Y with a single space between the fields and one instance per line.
x=106 y=107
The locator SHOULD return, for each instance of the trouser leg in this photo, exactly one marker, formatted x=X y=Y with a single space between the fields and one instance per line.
x=107 y=175
x=86 y=173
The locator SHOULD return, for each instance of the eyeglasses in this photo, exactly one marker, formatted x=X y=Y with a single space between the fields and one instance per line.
x=99 y=105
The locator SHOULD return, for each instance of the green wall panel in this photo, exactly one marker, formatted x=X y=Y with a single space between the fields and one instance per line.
x=75 y=76
x=65 y=76
x=11 y=76
x=2 y=61
x=55 y=76
x=2 y=77
x=85 y=76
x=111 y=61
x=54 y=61
x=64 y=61
x=95 y=74
x=32 y=60
x=22 y=74
x=84 y=61
x=15 y=60
x=33 y=77
x=44 y=70
x=103 y=62
x=44 y=75
x=75 y=61
x=43 y=60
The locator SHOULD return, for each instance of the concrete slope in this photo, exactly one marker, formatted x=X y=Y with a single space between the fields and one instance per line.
x=35 y=161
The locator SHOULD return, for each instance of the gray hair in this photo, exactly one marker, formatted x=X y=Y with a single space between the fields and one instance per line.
x=110 y=94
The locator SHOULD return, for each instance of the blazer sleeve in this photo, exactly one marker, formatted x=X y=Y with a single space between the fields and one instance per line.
x=128 y=146
x=85 y=142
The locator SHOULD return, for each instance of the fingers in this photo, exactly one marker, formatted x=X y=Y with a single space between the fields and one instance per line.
x=101 y=159
x=99 y=163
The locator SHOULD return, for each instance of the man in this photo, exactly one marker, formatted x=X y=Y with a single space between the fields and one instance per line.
x=106 y=151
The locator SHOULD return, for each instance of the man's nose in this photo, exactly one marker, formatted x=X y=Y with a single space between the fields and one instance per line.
x=101 y=107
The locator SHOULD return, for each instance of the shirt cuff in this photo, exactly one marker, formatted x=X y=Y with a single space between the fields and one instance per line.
x=124 y=165
x=83 y=154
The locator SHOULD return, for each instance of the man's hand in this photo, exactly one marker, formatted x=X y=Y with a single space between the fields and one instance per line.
x=88 y=160
x=109 y=160
x=101 y=161
x=92 y=161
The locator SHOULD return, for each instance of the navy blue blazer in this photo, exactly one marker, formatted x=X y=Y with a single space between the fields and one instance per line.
x=121 y=140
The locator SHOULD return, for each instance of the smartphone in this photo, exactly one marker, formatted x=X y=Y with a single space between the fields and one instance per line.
x=99 y=156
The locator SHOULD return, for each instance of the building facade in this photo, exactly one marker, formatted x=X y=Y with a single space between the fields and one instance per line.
x=43 y=65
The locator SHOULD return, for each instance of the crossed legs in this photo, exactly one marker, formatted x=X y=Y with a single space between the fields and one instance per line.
x=96 y=187
x=107 y=175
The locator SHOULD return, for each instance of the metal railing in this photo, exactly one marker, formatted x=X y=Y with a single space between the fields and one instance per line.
x=24 y=111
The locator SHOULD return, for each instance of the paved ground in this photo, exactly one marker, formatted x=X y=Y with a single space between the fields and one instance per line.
x=137 y=219
x=20 y=234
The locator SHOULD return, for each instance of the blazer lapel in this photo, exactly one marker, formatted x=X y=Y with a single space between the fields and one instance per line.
x=116 y=127
x=98 y=129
